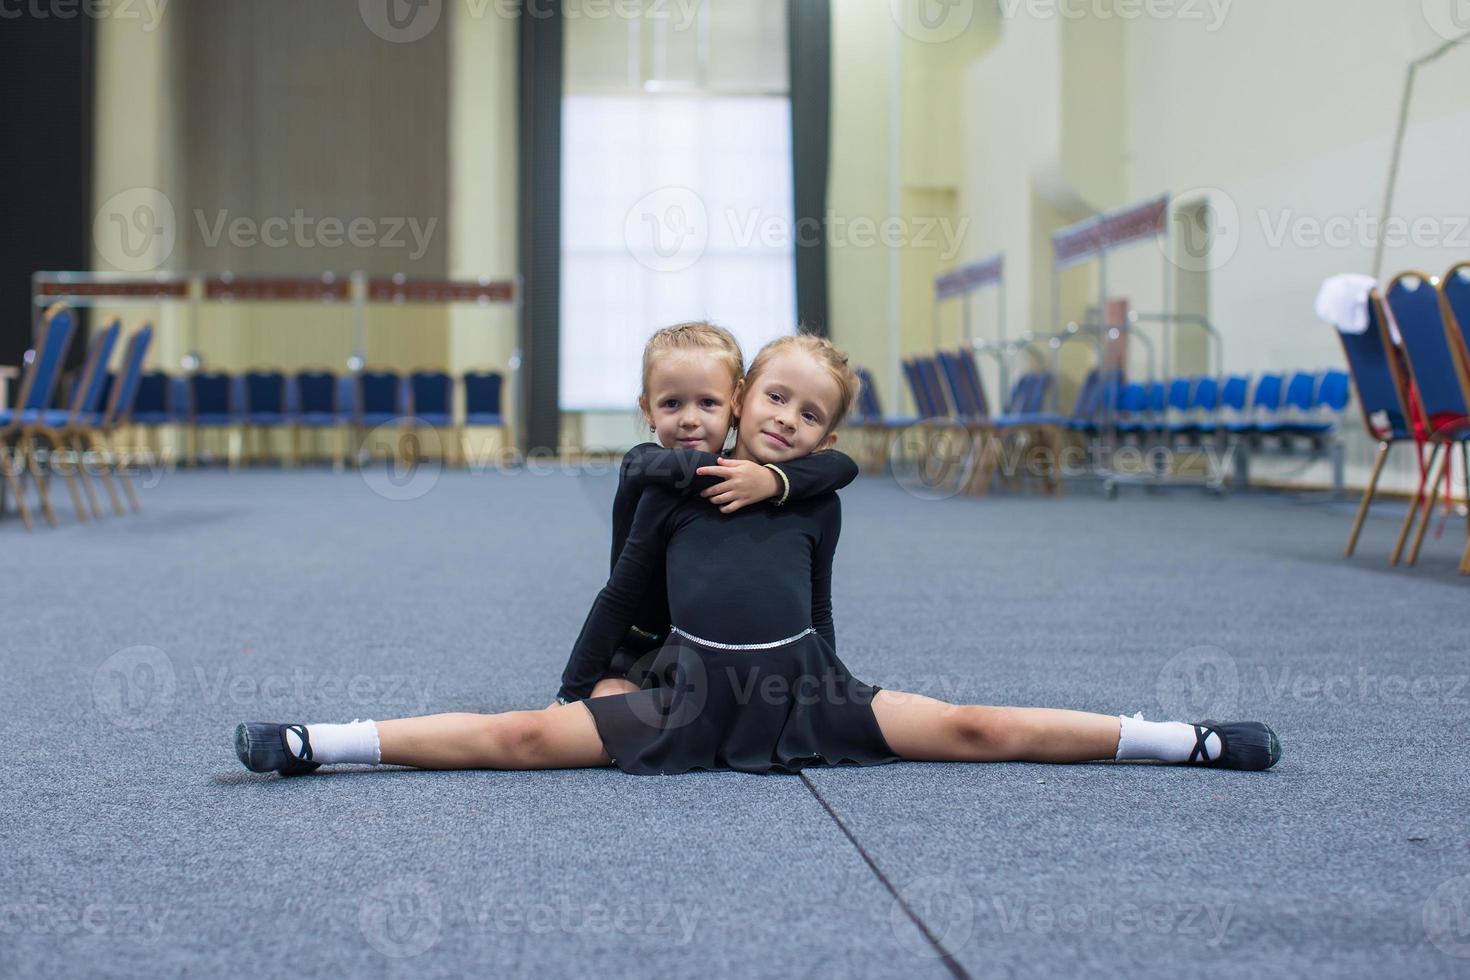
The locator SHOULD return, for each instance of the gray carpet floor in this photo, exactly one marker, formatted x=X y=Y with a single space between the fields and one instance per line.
x=134 y=844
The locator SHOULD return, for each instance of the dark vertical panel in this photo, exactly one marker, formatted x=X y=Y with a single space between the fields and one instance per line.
x=810 y=43
x=540 y=88
x=46 y=66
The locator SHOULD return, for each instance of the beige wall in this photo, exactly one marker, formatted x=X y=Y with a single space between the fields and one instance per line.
x=263 y=110
x=1279 y=114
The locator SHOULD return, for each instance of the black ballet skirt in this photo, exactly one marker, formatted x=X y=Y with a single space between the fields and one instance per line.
x=752 y=710
x=749 y=678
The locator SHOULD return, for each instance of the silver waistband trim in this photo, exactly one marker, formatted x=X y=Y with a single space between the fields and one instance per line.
x=741 y=646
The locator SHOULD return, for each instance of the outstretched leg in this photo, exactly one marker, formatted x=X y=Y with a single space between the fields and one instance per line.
x=562 y=736
x=924 y=729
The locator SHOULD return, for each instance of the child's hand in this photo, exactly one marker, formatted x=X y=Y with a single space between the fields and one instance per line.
x=745 y=483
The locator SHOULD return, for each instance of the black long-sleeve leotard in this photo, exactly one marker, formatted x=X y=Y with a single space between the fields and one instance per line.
x=650 y=465
x=759 y=576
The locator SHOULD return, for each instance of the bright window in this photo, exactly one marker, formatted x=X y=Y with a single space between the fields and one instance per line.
x=676 y=188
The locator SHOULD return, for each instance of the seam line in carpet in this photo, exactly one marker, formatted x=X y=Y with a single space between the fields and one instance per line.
x=945 y=956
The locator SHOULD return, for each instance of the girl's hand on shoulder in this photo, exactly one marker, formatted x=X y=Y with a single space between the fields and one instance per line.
x=745 y=482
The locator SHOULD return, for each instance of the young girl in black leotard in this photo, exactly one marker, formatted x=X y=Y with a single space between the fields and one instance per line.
x=750 y=679
x=692 y=374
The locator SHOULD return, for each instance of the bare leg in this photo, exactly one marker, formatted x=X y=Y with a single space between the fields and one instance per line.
x=924 y=729
x=613 y=685
x=562 y=736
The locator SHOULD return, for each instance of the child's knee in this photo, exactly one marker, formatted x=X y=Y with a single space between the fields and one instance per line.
x=519 y=737
x=982 y=729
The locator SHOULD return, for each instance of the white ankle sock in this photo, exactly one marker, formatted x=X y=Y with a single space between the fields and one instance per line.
x=352 y=743
x=1166 y=741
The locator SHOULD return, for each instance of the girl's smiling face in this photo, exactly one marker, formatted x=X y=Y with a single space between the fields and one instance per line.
x=787 y=412
x=689 y=401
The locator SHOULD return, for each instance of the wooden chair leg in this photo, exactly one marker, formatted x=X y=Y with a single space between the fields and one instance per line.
x=43 y=480
x=12 y=481
x=1428 y=517
x=1408 y=524
x=108 y=463
x=78 y=446
x=1368 y=494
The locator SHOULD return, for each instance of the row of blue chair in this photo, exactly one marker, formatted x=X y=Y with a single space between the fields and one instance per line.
x=1248 y=416
x=258 y=401
x=37 y=439
x=1417 y=388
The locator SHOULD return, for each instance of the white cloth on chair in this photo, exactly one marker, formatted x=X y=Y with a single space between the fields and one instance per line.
x=1343 y=301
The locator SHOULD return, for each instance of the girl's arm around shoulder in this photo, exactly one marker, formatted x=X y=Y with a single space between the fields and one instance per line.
x=617 y=604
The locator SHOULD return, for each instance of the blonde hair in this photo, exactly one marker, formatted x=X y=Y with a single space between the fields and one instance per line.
x=825 y=353
x=695 y=335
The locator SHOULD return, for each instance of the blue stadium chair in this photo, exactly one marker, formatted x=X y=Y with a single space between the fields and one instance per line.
x=379 y=398
x=265 y=407
x=65 y=429
x=119 y=407
x=1201 y=412
x=1456 y=291
x=312 y=404
x=36 y=387
x=215 y=401
x=1437 y=365
x=431 y=403
x=1134 y=414
x=483 y=395
x=1264 y=404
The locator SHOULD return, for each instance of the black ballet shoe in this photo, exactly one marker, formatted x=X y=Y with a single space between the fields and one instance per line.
x=262 y=747
x=1247 y=745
